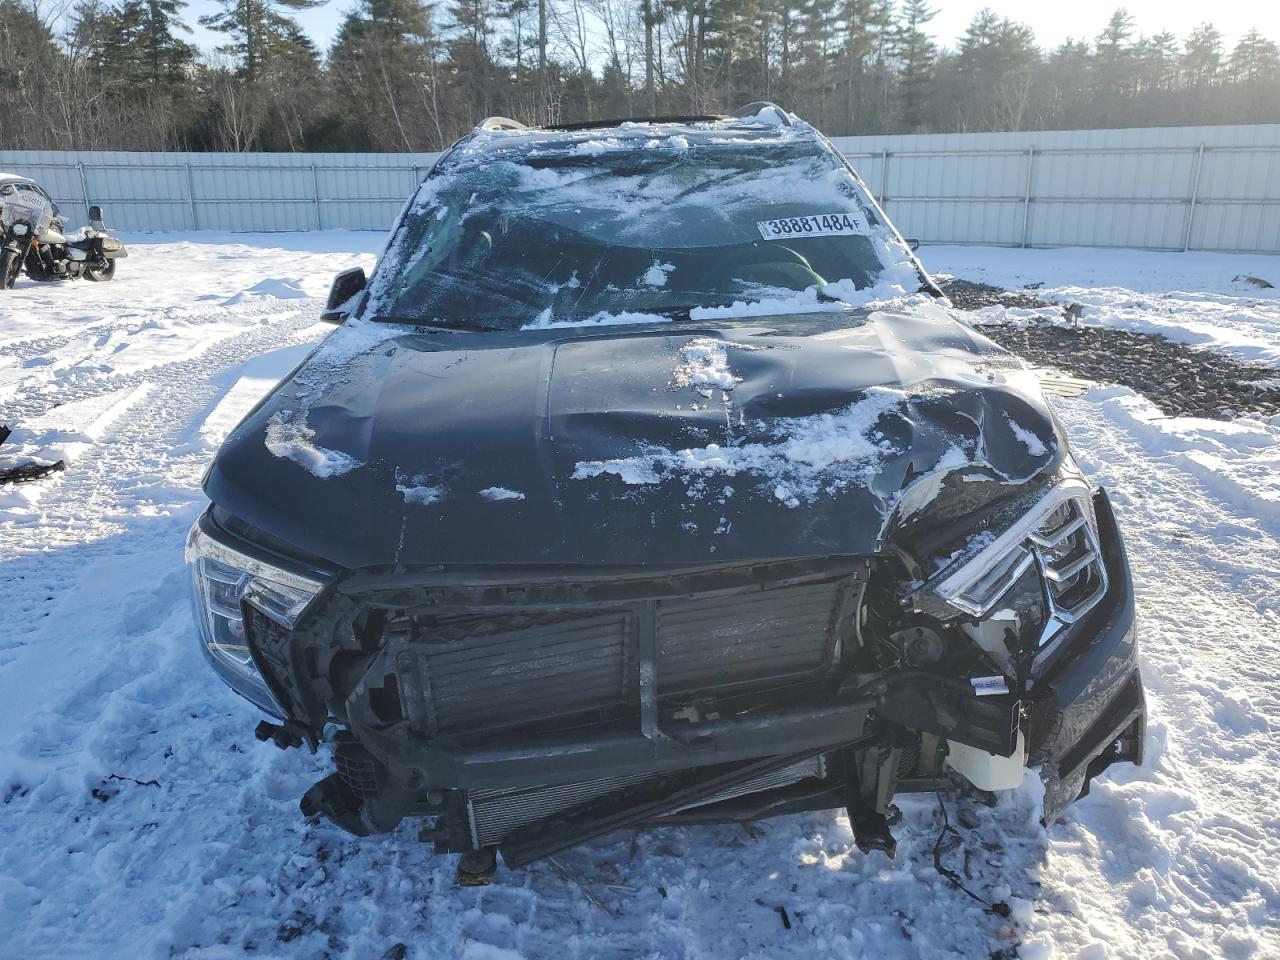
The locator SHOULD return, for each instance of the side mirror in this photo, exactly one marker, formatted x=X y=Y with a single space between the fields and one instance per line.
x=95 y=214
x=345 y=287
x=913 y=245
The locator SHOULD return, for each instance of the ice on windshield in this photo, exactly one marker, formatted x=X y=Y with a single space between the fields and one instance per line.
x=638 y=229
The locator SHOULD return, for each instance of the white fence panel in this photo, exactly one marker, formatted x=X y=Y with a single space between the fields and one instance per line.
x=1171 y=188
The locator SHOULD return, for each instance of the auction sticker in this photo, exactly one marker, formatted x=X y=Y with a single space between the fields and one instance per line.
x=820 y=225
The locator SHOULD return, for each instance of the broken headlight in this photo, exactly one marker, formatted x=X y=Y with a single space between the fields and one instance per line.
x=1059 y=537
x=222 y=579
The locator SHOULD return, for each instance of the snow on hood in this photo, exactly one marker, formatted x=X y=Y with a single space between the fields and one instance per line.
x=819 y=430
x=288 y=434
x=802 y=457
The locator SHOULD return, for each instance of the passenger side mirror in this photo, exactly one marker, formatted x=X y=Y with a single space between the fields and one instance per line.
x=345 y=287
x=913 y=245
x=95 y=214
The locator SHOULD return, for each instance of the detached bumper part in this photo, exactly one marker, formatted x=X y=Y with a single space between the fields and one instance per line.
x=986 y=771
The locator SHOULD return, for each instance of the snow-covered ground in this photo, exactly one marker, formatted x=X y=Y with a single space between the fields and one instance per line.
x=139 y=817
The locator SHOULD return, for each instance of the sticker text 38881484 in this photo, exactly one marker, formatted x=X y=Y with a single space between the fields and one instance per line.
x=819 y=225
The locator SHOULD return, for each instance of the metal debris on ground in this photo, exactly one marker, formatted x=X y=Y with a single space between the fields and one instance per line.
x=26 y=472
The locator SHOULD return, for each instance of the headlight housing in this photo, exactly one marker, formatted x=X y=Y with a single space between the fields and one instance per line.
x=1058 y=536
x=223 y=578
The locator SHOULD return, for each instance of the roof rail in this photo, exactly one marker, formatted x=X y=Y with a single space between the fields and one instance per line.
x=618 y=121
x=500 y=123
x=754 y=108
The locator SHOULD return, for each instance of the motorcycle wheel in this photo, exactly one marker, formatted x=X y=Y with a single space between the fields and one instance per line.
x=9 y=267
x=36 y=269
x=101 y=271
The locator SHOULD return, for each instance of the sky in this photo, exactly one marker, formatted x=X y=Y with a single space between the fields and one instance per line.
x=1053 y=22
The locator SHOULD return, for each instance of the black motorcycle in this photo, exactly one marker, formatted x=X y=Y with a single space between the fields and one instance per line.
x=34 y=239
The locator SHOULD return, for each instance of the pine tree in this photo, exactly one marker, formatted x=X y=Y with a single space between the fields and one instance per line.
x=916 y=54
x=136 y=42
x=258 y=29
x=378 y=59
x=1157 y=61
x=993 y=73
x=1202 y=55
x=1254 y=59
x=166 y=54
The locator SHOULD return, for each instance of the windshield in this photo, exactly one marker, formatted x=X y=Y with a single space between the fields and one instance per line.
x=601 y=234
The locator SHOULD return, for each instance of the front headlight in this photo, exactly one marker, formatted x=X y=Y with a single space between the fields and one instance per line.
x=1059 y=536
x=221 y=579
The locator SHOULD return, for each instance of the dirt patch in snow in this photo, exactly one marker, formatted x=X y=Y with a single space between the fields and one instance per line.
x=1181 y=380
x=968 y=295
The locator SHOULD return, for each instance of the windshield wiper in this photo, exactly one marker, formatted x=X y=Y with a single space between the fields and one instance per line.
x=679 y=314
x=452 y=323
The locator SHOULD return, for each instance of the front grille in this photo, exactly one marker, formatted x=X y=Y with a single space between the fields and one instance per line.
x=496 y=814
x=551 y=666
x=1070 y=560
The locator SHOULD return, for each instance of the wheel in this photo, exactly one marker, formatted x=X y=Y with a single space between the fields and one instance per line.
x=104 y=269
x=10 y=264
x=35 y=268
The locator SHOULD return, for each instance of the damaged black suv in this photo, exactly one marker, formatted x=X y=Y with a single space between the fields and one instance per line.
x=650 y=480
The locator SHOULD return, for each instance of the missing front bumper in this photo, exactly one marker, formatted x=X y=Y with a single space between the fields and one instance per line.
x=637 y=742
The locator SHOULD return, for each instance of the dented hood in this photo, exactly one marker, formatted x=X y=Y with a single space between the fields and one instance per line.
x=670 y=443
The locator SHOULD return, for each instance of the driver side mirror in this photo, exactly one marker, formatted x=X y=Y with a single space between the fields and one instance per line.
x=345 y=287
x=95 y=214
x=913 y=244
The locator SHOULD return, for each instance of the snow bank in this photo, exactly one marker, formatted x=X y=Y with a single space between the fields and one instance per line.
x=1238 y=460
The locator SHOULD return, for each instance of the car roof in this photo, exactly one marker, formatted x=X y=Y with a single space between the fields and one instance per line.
x=498 y=136
x=14 y=177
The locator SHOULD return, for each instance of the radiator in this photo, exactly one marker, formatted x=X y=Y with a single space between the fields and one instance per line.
x=488 y=672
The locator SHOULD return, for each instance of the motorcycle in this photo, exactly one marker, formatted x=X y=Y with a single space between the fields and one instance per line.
x=34 y=239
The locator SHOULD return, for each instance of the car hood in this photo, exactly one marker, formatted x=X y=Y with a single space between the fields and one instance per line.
x=672 y=443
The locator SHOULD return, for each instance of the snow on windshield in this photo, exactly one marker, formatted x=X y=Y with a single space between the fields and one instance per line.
x=542 y=230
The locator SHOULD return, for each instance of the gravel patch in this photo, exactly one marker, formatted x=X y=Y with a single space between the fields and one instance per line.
x=968 y=295
x=1180 y=380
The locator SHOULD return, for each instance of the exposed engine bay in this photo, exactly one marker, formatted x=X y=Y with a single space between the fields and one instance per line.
x=532 y=710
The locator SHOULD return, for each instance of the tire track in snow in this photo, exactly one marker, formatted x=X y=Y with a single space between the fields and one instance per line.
x=1179 y=856
x=90 y=375
x=147 y=455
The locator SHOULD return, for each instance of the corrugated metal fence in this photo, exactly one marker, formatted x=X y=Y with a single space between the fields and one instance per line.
x=1173 y=188
x=1167 y=188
